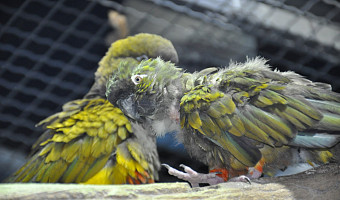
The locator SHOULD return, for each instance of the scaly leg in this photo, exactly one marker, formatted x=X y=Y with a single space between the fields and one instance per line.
x=194 y=178
x=217 y=175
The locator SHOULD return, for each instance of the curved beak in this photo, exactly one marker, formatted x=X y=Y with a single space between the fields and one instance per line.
x=129 y=107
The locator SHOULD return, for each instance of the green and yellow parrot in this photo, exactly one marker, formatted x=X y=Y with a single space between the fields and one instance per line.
x=241 y=121
x=91 y=141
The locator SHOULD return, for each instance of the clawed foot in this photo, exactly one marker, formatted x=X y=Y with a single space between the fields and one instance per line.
x=195 y=178
x=241 y=178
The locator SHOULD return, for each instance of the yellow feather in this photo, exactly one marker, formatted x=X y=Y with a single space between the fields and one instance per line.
x=121 y=121
x=69 y=122
x=300 y=116
x=98 y=147
x=299 y=126
x=70 y=151
x=55 y=153
x=31 y=171
x=72 y=171
x=213 y=112
x=271 y=120
x=122 y=132
x=194 y=120
x=55 y=171
x=278 y=136
x=255 y=130
x=83 y=171
x=41 y=172
x=235 y=164
x=110 y=126
x=133 y=149
x=128 y=127
x=125 y=160
x=237 y=128
x=264 y=100
x=85 y=148
x=229 y=104
x=96 y=124
x=324 y=155
x=111 y=142
x=224 y=123
x=46 y=149
x=96 y=167
x=92 y=132
x=102 y=132
x=102 y=177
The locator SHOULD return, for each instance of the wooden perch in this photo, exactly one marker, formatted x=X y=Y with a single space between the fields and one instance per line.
x=319 y=183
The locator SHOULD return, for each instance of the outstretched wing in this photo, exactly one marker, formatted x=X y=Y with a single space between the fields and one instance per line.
x=90 y=141
x=250 y=101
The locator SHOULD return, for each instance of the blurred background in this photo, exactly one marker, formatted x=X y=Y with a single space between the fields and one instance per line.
x=49 y=51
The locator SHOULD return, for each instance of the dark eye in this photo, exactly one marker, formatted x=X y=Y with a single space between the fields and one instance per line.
x=137 y=79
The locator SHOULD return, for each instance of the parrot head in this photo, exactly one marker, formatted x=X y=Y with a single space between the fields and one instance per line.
x=130 y=50
x=147 y=92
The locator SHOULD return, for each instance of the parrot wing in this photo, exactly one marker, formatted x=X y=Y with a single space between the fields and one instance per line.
x=91 y=141
x=245 y=105
x=88 y=142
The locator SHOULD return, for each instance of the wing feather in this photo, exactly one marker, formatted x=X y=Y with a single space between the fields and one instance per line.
x=79 y=144
x=245 y=105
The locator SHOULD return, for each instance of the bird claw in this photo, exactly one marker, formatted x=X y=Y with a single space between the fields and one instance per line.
x=193 y=177
x=241 y=178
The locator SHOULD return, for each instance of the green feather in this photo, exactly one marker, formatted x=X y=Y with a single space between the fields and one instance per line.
x=84 y=170
x=278 y=136
x=41 y=173
x=95 y=167
x=70 y=150
x=194 y=120
x=209 y=125
x=218 y=105
x=55 y=152
x=245 y=153
x=237 y=128
x=73 y=170
x=284 y=115
x=30 y=171
x=251 y=128
x=223 y=122
x=304 y=107
x=263 y=101
x=229 y=104
x=273 y=96
x=300 y=116
x=271 y=120
x=329 y=106
x=97 y=148
x=213 y=112
x=329 y=122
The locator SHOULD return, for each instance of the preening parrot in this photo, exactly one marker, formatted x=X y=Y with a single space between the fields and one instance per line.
x=90 y=140
x=241 y=121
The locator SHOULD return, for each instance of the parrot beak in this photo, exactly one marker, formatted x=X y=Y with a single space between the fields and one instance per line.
x=129 y=108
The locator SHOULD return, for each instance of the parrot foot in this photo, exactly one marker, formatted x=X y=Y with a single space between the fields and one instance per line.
x=193 y=177
x=241 y=178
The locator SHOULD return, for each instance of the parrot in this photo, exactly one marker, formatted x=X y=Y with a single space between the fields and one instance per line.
x=91 y=141
x=242 y=121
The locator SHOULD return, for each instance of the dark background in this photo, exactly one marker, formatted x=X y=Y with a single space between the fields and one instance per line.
x=49 y=51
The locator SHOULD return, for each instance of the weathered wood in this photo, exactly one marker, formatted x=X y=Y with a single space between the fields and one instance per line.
x=320 y=183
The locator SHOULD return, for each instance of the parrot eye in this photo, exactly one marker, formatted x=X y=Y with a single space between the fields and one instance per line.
x=137 y=79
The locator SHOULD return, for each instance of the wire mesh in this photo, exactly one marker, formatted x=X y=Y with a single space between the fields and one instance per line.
x=49 y=50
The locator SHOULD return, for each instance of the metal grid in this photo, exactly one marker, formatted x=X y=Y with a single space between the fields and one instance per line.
x=49 y=50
